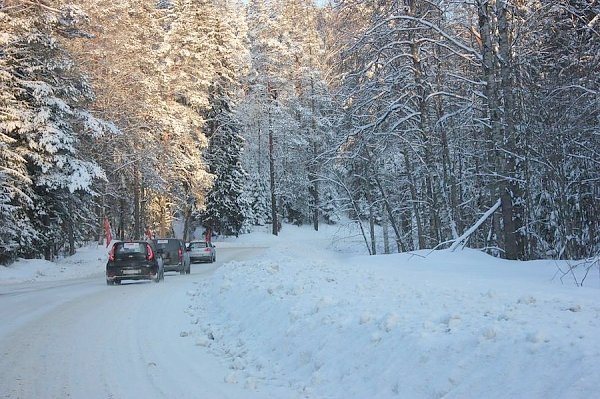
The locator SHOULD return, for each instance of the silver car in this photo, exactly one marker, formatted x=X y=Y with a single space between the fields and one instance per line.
x=201 y=251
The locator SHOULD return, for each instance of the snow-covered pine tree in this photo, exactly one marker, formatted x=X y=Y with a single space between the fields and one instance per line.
x=16 y=229
x=44 y=122
x=225 y=203
x=256 y=195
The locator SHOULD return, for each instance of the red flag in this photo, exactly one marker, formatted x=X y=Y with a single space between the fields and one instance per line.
x=107 y=232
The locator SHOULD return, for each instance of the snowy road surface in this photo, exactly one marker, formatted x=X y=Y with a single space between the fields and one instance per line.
x=84 y=339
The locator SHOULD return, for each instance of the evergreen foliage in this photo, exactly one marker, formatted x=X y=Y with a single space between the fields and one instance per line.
x=44 y=124
x=255 y=193
x=226 y=207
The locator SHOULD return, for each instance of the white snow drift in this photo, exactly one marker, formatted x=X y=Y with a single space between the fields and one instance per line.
x=424 y=325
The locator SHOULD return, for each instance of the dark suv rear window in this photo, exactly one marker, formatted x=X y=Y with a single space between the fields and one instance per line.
x=130 y=250
x=168 y=244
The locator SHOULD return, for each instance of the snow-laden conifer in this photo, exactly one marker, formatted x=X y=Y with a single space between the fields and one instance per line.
x=43 y=126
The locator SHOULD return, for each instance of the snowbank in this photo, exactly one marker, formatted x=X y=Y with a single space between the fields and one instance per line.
x=88 y=261
x=424 y=325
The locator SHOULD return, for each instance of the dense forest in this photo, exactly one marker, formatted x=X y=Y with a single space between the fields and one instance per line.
x=441 y=124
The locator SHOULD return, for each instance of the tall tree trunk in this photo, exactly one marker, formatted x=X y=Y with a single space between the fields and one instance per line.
x=70 y=227
x=414 y=200
x=259 y=143
x=122 y=219
x=493 y=130
x=390 y=215
x=143 y=201
x=497 y=68
x=163 y=212
x=386 y=234
x=449 y=181
x=101 y=214
x=137 y=229
x=187 y=214
x=423 y=92
x=314 y=194
x=314 y=188
x=48 y=253
x=511 y=191
x=272 y=178
x=372 y=224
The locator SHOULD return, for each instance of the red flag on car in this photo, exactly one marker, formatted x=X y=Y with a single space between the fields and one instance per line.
x=107 y=232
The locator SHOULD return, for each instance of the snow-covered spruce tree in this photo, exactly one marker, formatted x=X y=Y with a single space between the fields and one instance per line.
x=329 y=208
x=16 y=192
x=44 y=122
x=256 y=195
x=225 y=203
x=16 y=229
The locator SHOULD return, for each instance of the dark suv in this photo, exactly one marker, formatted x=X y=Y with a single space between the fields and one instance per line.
x=173 y=254
x=133 y=260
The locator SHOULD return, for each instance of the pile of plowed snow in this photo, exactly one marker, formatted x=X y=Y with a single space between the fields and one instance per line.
x=424 y=325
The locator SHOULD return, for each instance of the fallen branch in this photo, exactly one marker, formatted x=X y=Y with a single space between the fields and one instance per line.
x=473 y=228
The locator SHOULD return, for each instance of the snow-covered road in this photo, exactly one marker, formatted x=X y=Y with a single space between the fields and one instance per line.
x=84 y=339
